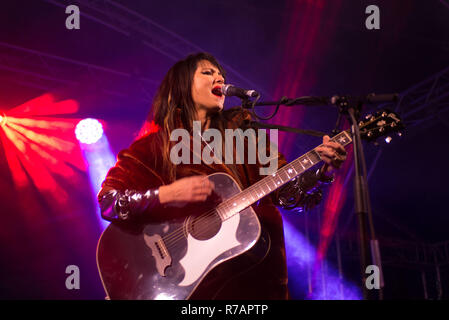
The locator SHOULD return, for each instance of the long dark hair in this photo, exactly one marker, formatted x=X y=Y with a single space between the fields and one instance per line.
x=174 y=96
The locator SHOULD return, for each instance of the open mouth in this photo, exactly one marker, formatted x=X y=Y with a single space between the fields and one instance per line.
x=217 y=91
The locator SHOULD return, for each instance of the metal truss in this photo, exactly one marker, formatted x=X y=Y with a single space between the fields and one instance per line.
x=47 y=72
x=404 y=253
x=425 y=101
x=441 y=253
x=431 y=261
x=419 y=105
x=394 y=252
x=119 y=18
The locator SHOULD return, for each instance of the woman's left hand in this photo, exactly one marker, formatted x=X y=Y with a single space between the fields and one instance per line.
x=333 y=154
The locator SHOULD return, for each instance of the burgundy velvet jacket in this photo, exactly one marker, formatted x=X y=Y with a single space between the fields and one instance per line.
x=136 y=169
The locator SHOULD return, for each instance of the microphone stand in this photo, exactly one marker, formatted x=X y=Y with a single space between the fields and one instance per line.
x=350 y=106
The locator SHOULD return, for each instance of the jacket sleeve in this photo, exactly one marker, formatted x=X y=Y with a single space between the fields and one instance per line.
x=302 y=193
x=131 y=188
x=128 y=204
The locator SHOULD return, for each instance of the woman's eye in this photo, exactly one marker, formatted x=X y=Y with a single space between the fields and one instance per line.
x=207 y=72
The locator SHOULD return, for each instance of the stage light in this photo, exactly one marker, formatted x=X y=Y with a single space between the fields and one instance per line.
x=301 y=255
x=99 y=159
x=89 y=131
x=2 y=119
x=41 y=152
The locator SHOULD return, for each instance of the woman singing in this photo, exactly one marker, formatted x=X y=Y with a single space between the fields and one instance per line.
x=146 y=186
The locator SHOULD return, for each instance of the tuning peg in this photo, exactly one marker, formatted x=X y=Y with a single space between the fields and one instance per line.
x=388 y=139
x=381 y=129
x=399 y=134
x=368 y=116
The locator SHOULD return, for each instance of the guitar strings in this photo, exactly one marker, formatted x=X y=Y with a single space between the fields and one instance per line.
x=178 y=234
x=172 y=238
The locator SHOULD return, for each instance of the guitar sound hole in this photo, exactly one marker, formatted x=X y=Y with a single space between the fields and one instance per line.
x=204 y=227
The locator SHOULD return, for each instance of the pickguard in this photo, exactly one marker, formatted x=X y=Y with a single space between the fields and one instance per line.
x=200 y=253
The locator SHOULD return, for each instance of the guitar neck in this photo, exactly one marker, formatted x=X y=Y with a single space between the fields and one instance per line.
x=270 y=183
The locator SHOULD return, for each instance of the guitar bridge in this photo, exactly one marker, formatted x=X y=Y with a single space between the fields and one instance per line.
x=159 y=252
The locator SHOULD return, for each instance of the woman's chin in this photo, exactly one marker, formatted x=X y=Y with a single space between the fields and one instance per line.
x=214 y=109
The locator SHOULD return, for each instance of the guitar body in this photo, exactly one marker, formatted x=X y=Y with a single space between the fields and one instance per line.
x=170 y=260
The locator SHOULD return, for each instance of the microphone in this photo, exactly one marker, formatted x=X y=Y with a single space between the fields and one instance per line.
x=230 y=90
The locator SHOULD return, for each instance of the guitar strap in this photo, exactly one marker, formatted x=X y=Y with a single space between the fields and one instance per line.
x=287 y=129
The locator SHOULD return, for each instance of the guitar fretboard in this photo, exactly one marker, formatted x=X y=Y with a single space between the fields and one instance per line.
x=272 y=182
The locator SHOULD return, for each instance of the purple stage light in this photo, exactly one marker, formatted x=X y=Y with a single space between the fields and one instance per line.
x=97 y=155
x=324 y=284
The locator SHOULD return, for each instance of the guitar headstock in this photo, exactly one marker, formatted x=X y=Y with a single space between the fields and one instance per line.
x=380 y=124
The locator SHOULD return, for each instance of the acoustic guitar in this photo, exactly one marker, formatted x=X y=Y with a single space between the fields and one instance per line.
x=169 y=260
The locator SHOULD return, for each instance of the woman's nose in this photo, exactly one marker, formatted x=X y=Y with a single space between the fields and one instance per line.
x=219 y=79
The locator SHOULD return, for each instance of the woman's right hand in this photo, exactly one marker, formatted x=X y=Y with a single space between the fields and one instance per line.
x=185 y=190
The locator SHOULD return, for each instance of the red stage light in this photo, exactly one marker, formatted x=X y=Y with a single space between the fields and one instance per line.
x=2 y=119
x=38 y=147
